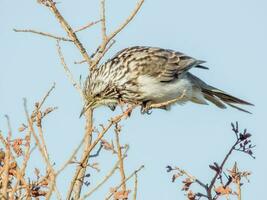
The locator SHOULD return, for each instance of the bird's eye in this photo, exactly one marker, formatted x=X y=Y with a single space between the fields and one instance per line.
x=97 y=95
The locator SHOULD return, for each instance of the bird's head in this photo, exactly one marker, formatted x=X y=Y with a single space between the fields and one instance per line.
x=97 y=100
x=98 y=91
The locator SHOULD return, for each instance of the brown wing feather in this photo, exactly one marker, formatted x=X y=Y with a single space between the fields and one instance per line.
x=164 y=64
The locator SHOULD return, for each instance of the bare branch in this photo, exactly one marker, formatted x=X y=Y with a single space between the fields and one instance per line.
x=101 y=52
x=243 y=144
x=88 y=115
x=128 y=178
x=42 y=151
x=112 y=171
x=7 y=158
x=147 y=108
x=98 y=152
x=109 y=46
x=72 y=156
x=19 y=175
x=87 y=26
x=25 y=161
x=87 y=151
x=46 y=95
x=5 y=174
x=67 y=70
x=167 y=103
x=221 y=166
x=103 y=20
x=77 y=180
x=52 y=5
x=183 y=172
x=135 y=186
x=79 y=62
x=122 y=173
x=43 y=34
x=126 y=22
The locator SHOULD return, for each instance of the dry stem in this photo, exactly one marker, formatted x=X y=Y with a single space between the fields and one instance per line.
x=107 y=38
x=67 y=70
x=112 y=171
x=103 y=21
x=5 y=174
x=43 y=153
x=167 y=103
x=135 y=186
x=128 y=178
x=122 y=173
x=87 y=26
x=43 y=34
x=52 y=5
x=83 y=163
x=77 y=180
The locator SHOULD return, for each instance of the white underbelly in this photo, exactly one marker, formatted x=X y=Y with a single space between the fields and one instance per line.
x=158 y=92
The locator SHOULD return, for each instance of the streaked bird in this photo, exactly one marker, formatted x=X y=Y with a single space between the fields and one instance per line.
x=148 y=75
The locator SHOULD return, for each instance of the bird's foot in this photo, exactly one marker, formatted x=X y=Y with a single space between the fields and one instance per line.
x=112 y=107
x=146 y=107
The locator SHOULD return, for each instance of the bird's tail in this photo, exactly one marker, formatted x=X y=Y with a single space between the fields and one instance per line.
x=217 y=96
x=220 y=98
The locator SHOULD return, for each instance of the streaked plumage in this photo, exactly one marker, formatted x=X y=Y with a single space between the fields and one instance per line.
x=148 y=75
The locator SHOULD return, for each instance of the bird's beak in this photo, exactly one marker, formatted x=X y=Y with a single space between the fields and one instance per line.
x=85 y=108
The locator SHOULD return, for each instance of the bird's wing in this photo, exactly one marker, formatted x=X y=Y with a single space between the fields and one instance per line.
x=164 y=64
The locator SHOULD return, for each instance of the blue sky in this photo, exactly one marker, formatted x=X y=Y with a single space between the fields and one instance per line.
x=229 y=35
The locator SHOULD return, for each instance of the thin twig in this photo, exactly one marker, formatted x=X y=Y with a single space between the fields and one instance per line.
x=52 y=5
x=79 y=62
x=25 y=161
x=71 y=157
x=77 y=180
x=67 y=70
x=122 y=173
x=18 y=170
x=128 y=178
x=9 y=128
x=103 y=20
x=135 y=186
x=39 y=117
x=112 y=171
x=98 y=152
x=41 y=135
x=238 y=189
x=100 y=53
x=211 y=185
x=109 y=46
x=167 y=103
x=87 y=151
x=46 y=95
x=5 y=175
x=44 y=156
x=191 y=177
x=97 y=50
x=126 y=22
x=87 y=26
x=43 y=34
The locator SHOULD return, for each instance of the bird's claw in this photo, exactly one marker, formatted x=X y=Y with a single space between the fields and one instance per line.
x=146 y=108
x=146 y=111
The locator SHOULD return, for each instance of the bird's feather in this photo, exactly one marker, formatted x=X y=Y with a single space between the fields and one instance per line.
x=164 y=64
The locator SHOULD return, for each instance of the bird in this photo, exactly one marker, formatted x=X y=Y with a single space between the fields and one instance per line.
x=146 y=76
